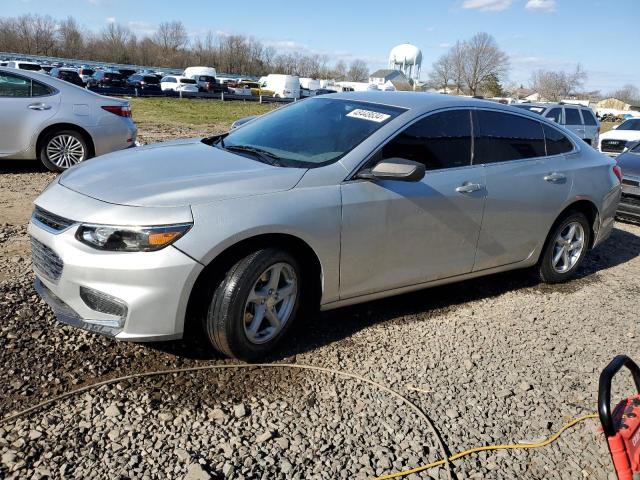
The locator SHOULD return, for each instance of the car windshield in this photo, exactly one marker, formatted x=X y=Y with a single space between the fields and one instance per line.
x=187 y=80
x=29 y=66
x=312 y=132
x=86 y=71
x=206 y=78
x=633 y=124
x=150 y=79
x=532 y=108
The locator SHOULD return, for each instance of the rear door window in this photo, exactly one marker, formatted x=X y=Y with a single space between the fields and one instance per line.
x=555 y=114
x=500 y=137
x=589 y=118
x=572 y=116
x=557 y=143
x=441 y=140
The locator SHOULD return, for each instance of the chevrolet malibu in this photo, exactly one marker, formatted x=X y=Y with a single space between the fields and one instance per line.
x=330 y=201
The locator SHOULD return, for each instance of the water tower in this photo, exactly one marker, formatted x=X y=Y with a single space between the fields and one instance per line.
x=407 y=58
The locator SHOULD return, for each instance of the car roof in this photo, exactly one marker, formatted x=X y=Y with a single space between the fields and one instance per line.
x=421 y=101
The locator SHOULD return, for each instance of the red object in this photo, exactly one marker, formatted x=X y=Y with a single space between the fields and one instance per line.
x=625 y=444
x=622 y=427
x=121 y=111
x=617 y=172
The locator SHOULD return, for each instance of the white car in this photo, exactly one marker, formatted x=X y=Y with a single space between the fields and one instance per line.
x=177 y=83
x=31 y=66
x=615 y=141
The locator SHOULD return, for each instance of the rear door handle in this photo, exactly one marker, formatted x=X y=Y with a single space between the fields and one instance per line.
x=469 y=188
x=39 y=106
x=555 y=177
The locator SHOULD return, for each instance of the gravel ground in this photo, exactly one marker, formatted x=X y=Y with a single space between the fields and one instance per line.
x=500 y=359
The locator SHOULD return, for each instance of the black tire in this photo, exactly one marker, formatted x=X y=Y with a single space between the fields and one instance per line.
x=545 y=268
x=49 y=137
x=225 y=317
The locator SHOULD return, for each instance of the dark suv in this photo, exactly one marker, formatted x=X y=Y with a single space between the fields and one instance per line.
x=144 y=82
x=106 y=79
x=68 y=75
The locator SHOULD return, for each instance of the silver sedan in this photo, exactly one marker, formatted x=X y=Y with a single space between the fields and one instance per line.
x=57 y=122
x=331 y=201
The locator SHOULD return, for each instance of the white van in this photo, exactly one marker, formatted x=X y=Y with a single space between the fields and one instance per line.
x=283 y=86
x=193 y=72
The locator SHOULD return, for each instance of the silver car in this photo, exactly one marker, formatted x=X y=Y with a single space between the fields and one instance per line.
x=577 y=118
x=57 y=122
x=330 y=201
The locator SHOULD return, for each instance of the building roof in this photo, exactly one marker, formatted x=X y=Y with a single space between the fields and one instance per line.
x=386 y=72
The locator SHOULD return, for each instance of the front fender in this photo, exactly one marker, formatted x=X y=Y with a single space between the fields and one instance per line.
x=310 y=214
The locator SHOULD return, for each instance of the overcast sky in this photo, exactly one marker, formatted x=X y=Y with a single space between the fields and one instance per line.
x=550 y=34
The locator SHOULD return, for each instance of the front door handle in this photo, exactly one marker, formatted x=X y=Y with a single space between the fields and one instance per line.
x=555 y=177
x=40 y=106
x=469 y=188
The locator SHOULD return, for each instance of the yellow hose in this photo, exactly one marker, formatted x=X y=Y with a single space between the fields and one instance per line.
x=464 y=453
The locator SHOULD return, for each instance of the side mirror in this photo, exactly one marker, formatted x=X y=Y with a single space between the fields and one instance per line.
x=399 y=169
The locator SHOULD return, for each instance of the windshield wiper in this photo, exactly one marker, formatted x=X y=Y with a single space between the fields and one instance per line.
x=264 y=155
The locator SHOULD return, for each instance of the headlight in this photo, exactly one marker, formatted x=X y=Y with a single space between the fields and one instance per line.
x=130 y=239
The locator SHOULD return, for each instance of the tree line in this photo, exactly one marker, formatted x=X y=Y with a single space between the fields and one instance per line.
x=169 y=46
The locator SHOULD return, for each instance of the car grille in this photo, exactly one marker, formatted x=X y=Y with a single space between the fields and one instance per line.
x=615 y=146
x=46 y=261
x=630 y=200
x=51 y=220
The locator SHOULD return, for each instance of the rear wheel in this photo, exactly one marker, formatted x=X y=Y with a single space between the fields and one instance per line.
x=254 y=305
x=565 y=249
x=62 y=149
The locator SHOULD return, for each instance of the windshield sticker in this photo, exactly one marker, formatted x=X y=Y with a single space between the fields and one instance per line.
x=368 y=115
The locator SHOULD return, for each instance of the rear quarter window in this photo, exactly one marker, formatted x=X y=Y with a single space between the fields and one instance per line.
x=572 y=116
x=589 y=119
x=501 y=137
x=556 y=142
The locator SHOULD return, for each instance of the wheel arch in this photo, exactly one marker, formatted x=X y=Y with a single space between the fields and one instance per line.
x=583 y=205
x=216 y=268
x=65 y=126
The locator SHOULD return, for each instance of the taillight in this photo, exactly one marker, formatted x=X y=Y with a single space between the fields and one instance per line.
x=617 y=171
x=121 y=111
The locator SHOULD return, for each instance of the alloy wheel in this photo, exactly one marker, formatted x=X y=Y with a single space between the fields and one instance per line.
x=567 y=248
x=65 y=151
x=270 y=303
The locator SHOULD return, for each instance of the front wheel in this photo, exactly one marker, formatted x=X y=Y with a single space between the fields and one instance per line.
x=254 y=305
x=565 y=249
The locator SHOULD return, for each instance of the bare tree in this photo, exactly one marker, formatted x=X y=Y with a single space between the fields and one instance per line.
x=340 y=70
x=482 y=59
x=168 y=47
x=627 y=93
x=358 y=71
x=171 y=37
x=70 y=38
x=556 y=85
x=442 y=73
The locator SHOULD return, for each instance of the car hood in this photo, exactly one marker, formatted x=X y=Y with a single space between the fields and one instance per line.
x=178 y=173
x=621 y=135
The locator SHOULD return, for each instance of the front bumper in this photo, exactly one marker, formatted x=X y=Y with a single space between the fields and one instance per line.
x=155 y=287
